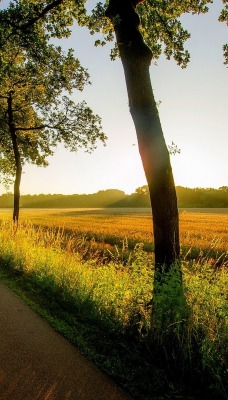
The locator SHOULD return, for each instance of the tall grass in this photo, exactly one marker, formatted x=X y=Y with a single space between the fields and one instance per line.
x=116 y=297
x=114 y=289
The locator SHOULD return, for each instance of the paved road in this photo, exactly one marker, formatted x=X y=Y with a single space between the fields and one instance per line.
x=36 y=363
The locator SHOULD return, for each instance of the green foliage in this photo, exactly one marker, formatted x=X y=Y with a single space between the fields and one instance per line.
x=36 y=77
x=169 y=306
x=23 y=18
x=160 y=25
x=201 y=197
x=224 y=18
x=107 y=310
x=173 y=149
x=206 y=288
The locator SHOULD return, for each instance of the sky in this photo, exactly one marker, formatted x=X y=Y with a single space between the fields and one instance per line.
x=193 y=112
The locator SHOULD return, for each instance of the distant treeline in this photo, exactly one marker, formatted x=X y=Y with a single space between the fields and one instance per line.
x=192 y=198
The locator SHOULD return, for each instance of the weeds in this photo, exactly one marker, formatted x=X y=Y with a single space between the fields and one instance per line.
x=152 y=345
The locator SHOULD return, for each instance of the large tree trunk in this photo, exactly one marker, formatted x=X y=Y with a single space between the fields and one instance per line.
x=18 y=165
x=136 y=59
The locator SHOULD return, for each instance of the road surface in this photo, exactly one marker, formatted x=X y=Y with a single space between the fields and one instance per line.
x=36 y=363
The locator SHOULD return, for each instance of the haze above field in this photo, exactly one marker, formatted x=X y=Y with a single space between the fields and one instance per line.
x=193 y=113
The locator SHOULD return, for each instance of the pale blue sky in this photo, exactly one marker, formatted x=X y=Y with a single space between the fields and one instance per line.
x=193 y=111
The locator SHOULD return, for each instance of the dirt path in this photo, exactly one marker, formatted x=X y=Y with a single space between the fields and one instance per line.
x=38 y=364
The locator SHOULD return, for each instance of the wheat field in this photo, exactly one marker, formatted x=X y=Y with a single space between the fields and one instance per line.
x=204 y=230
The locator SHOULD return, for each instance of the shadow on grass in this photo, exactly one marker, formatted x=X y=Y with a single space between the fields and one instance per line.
x=153 y=362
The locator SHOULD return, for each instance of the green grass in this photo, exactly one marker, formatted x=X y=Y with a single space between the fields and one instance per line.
x=175 y=351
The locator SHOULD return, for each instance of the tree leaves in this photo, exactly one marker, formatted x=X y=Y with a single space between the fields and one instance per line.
x=36 y=75
x=224 y=18
x=160 y=25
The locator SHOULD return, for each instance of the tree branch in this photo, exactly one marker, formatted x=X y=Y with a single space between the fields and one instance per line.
x=22 y=107
x=20 y=82
x=33 y=128
x=136 y=2
x=29 y=23
x=167 y=28
x=40 y=15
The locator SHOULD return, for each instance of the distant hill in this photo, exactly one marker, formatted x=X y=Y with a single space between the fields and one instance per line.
x=192 y=198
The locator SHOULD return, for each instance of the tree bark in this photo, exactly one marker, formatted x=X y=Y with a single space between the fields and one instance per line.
x=17 y=157
x=136 y=59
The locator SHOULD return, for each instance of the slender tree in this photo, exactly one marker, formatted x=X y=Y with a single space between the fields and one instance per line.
x=139 y=35
x=35 y=113
x=136 y=57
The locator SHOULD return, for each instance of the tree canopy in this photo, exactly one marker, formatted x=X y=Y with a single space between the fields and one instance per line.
x=159 y=23
x=26 y=27
x=36 y=75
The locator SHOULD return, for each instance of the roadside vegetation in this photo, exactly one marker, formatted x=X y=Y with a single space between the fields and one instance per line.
x=100 y=298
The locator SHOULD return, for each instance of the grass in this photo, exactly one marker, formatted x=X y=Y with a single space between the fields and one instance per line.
x=104 y=308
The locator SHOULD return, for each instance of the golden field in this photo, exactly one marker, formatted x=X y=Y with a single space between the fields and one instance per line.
x=205 y=231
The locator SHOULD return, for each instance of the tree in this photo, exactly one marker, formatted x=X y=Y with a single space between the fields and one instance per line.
x=140 y=36
x=142 y=190
x=35 y=113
